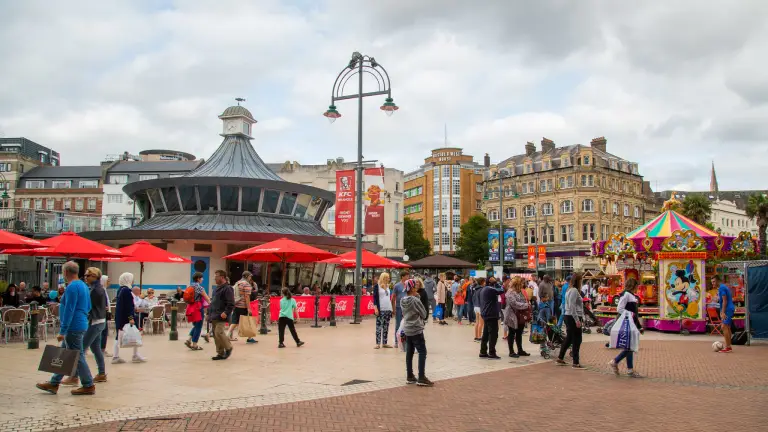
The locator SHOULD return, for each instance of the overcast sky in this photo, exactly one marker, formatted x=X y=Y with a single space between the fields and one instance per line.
x=672 y=85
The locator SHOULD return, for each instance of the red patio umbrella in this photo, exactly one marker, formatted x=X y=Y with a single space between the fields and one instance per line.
x=283 y=251
x=370 y=260
x=10 y=240
x=69 y=244
x=145 y=252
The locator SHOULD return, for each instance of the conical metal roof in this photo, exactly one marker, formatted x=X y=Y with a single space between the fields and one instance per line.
x=235 y=158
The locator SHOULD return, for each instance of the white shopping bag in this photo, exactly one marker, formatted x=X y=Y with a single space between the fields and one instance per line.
x=400 y=335
x=131 y=337
x=624 y=334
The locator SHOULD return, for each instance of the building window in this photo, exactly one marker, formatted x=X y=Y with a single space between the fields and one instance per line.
x=565 y=161
x=436 y=239
x=414 y=208
x=542 y=185
x=456 y=220
x=35 y=184
x=114 y=198
x=615 y=208
x=143 y=177
x=38 y=204
x=89 y=184
x=456 y=203
x=446 y=239
x=590 y=180
x=25 y=203
x=566 y=206
x=605 y=206
x=445 y=204
x=5 y=167
x=510 y=213
x=525 y=188
x=583 y=180
x=61 y=184
x=479 y=187
x=397 y=212
x=412 y=192
x=79 y=204
x=603 y=232
x=445 y=184
x=444 y=220
x=456 y=187
x=118 y=179
x=531 y=187
x=570 y=181
x=493 y=215
x=588 y=206
x=447 y=171
x=478 y=205
x=529 y=211
x=566 y=233
x=49 y=203
x=397 y=238
x=586 y=160
x=547 y=209
x=548 y=234
x=588 y=232
x=566 y=263
x=66 y=204
x=626 y=210
x=91 y=204
x=545 y=165
x=637 y=211
x=561 y=182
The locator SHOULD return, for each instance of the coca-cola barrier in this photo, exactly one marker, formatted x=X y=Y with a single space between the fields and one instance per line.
x=345 y=305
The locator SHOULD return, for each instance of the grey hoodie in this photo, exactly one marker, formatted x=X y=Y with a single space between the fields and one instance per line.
x=413 y=315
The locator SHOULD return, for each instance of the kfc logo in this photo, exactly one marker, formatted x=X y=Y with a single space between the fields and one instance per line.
x=370 y=305
x=346 y=183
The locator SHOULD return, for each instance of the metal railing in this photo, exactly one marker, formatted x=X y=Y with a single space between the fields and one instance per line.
x=54 y=222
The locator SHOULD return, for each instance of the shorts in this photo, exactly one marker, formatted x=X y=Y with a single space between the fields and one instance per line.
x=236 y=313
x=477 y=310
x=728 y=317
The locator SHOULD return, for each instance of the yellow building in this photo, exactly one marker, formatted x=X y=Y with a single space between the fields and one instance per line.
x=442 y=194
x=564 y=198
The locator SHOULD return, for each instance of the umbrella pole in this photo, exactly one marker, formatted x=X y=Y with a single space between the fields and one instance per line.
x=284 y=266
x=141 y=276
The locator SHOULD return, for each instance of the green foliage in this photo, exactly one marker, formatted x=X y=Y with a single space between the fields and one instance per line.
x=757 y=209
x=473 y=240
x=697 y=207
x=416 y=246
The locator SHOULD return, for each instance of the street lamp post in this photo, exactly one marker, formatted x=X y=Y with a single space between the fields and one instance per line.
x=501 y=176
x=358 y=65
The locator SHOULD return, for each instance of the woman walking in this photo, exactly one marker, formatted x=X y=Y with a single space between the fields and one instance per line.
x=628 y=302
x=479 y=323
x=382 y=307
x=195 y=312
x=573 y=318
x=515 y=317
x=124 y=313
x=288 y=313
x=441 y=293
x=414 y=316
x=105 y=333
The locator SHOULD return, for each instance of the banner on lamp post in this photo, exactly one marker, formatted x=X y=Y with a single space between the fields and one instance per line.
x=509 y=245
x=345 y=203
x=532 y=257
x=543 y=255
x=493 y=245
x=374 y=200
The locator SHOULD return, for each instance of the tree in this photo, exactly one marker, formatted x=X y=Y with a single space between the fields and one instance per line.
x=697 y=208
x=473 y=240
x=757 y=209
x=416 y=246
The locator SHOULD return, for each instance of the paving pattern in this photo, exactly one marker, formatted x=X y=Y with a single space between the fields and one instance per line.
x=687 y=387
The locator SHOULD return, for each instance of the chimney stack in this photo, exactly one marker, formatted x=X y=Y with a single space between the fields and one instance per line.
x=547 y=144
x=487 y=161
x=599 y=143
x=530 y=148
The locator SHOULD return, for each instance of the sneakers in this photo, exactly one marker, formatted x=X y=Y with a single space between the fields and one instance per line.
x=513 y=355
x=494 y=357
x=726 y=350
x=483 y=356
x=100 y=378
x=48 y=387
x=560 y=362
x=138 y=359
x=424 y=382
x=251 y=341
x=633 y=374
x=117 y=360
x=70 y=381
x=106 y=353
x=281 y=346
x=577 y=367
x=84 y=391
x=614 y=367
x=218 y=357
x=299 y=343
x=524 y=354
x=410 y=379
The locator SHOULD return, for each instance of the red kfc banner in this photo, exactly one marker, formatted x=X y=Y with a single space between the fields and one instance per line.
x=345 y=203
x=374 y=200
x=532 y=257
x=543 y=255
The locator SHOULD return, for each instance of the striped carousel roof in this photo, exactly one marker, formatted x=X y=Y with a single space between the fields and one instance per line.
x=668 y=222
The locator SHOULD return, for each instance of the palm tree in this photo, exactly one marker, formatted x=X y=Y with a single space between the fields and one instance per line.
x=698 y=208
x=757 y=209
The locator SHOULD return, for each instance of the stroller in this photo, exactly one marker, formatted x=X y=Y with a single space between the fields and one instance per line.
x=590 y=318
x=554 y=340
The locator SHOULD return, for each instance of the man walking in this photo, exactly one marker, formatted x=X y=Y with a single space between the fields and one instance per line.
x=562 y=300
x=429 y=287
x=726 y=312
x=489 y=310
x=73 y=316
x=222 y=304
x=398 y=293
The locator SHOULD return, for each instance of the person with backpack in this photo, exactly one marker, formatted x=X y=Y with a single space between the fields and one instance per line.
x=195 y=298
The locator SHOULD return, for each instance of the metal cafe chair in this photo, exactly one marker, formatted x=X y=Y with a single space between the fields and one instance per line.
x=15 y=319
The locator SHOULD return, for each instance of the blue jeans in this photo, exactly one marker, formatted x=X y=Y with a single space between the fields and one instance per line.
x=104 y=337
x=74 y=340
x=460 y=311
x=197 y=329
x=92 y=339
x=470 y=308
x=398 y=319
x=628 y=355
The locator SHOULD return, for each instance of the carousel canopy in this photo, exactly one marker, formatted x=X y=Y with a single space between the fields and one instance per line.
x=668 y=222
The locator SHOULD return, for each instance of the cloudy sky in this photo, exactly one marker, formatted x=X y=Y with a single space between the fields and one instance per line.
x=672 y=85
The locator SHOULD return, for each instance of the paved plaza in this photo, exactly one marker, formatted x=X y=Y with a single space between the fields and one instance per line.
x=303 y=389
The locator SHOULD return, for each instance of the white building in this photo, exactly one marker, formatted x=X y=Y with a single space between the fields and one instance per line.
x=324 y=177
x=730 y=220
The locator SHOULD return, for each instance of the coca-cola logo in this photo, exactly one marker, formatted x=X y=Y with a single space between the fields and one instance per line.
x=301 y=306
x=341 y=305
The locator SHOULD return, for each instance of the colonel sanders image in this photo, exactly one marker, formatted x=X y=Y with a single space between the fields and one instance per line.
x=345 y=183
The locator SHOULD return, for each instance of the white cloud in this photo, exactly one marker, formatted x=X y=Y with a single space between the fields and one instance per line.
x=672 y=85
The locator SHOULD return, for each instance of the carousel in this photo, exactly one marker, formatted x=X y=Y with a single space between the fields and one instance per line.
x=672 y=258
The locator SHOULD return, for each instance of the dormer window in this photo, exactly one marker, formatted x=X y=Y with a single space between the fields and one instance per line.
x=586 y=160
x=545 y=165
x=528 y=168
x=565 y=161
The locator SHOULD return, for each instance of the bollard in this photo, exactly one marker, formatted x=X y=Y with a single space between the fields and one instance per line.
x=317 y=311
x=33 y=342
x=333 y=310
x=174 y=334
x=263 y=307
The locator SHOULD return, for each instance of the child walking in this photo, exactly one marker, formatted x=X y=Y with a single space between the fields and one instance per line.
x=288 y=312
x=414 y=316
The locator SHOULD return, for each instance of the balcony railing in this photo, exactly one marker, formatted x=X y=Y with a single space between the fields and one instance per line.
x=52 y=222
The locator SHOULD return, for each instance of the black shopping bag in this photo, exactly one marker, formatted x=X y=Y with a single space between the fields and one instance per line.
x=59 y=360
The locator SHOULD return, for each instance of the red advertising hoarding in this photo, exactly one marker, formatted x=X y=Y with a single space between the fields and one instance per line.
x=532 y=257
x=374 y=200
x=345 y=203
x=543 y=255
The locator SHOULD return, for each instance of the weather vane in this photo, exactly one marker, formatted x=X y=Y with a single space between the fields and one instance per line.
x=239 y=100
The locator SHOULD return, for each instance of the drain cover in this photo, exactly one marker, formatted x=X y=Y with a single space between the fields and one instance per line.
x=355 y=381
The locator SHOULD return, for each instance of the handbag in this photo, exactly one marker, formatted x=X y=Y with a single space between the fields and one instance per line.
x=523 y=315
x=59 y=360
x=247 y=325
